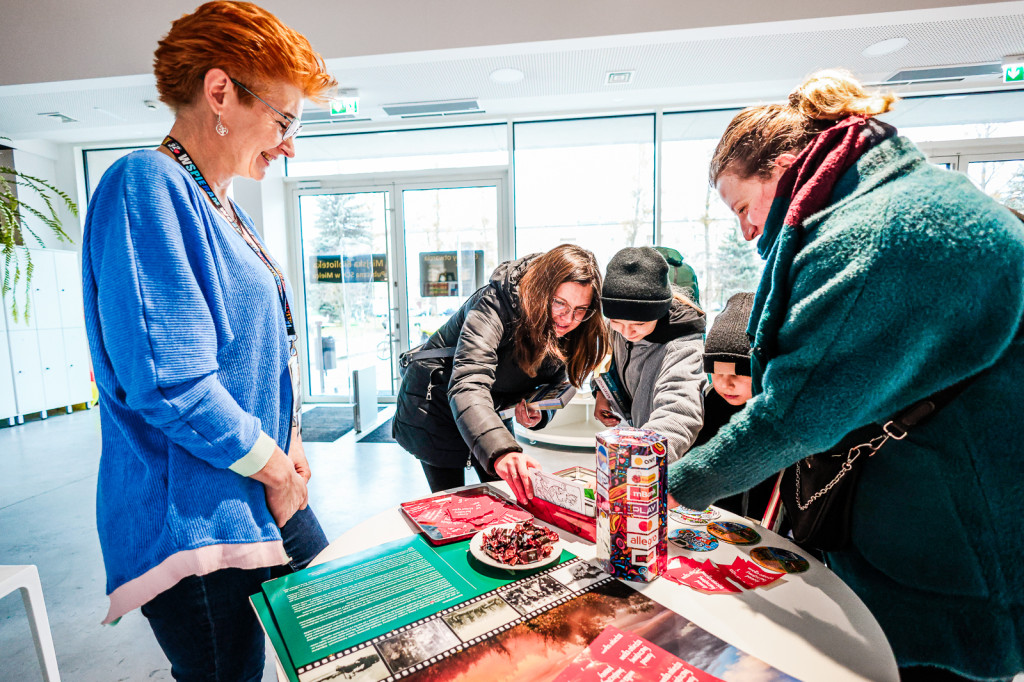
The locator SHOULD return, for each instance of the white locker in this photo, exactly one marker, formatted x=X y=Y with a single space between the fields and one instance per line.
x=20 y=294
x=54 y=363
x=8 y=404
x=76 y=347
x=28 y=374
x=45 y=301
x=44 y=362
x=69 y=289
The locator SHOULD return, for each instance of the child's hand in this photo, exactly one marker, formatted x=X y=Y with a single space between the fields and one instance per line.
x=526 y=415
x=603 y=413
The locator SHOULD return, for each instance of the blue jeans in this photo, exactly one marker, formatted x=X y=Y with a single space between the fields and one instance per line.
x=205 y=624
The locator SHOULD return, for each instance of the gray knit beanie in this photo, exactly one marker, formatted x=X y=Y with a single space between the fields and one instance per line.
x=636 y=286
x=727 y=342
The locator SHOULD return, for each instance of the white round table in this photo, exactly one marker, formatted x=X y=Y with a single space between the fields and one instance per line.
x=572 y=426
x=808 y=625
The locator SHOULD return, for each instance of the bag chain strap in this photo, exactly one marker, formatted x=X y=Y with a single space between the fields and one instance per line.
x=872 y=447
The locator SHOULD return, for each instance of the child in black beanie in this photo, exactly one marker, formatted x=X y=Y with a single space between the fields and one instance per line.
x=727 y=360
x=656 y=336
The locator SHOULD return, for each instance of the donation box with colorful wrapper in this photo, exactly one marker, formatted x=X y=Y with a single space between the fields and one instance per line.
x=632 y=503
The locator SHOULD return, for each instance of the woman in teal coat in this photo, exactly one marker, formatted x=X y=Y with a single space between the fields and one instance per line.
x=886 y=281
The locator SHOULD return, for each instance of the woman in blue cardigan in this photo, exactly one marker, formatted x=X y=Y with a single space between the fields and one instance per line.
x=202 y=481
x=887 y=280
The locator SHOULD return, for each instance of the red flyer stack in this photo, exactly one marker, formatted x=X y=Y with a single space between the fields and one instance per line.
x=451 y=517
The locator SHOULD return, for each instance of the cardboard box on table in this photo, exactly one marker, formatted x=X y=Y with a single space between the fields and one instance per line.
x=560 y=498
x=632 y=509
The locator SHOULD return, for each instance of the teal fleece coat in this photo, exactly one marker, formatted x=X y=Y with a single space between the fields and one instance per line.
x=909 y=281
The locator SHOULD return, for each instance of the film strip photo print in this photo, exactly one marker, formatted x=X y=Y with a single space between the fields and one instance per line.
x=425 y=642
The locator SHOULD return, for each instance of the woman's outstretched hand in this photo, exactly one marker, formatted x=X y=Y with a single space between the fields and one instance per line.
x=514 y=469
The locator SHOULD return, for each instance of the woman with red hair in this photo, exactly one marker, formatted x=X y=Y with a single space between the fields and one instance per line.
x=202 y=481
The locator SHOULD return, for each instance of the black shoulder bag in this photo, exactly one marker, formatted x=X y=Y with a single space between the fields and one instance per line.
x=420 y=353
x=818 y=491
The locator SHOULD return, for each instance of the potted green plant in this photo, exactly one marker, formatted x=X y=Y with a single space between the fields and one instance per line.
x=14 y=227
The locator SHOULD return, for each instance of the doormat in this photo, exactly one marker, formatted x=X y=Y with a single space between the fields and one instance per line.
x=381 y=434
x=328 y=424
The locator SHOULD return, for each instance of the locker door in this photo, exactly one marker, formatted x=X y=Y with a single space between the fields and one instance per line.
x=8 y=405
x=76 y=345
x=69 y=289
x=54 y=364
x=28 y=374
x=45 y=302
x=19 y=295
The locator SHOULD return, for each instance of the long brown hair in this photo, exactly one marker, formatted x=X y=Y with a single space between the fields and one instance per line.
x=534 y=336
x=757 y=135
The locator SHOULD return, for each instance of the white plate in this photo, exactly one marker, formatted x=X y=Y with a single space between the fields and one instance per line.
x=477 y=550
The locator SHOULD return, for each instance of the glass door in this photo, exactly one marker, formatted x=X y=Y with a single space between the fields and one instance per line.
x=385 y=263
x=451 y=242
x=346 y=277
x=1001 y=176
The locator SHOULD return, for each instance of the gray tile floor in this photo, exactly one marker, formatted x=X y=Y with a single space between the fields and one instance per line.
x=47 y=518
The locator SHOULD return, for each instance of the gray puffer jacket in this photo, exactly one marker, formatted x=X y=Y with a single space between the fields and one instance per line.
x=664 y=374
x=447 y=407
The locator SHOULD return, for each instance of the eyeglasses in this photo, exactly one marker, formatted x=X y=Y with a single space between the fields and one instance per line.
x=293 y=126
x=560 y=308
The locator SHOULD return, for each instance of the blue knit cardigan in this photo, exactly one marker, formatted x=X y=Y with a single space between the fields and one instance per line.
x=190 y=354
x=909 y=281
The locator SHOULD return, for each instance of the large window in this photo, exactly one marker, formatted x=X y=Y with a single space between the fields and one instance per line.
x=97 y=161
x=942 y=118
x=585 y=181
x=694 y=221
x=406 y=150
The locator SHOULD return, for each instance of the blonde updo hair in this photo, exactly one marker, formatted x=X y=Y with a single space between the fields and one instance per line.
x=758 y=135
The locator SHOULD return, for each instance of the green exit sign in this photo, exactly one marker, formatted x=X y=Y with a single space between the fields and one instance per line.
x=345 y=106
x=1013 y=73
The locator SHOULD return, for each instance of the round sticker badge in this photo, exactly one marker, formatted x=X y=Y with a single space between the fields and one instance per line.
x=693 y=516
x=734 y=533
x=694 y=540
x=778 y=559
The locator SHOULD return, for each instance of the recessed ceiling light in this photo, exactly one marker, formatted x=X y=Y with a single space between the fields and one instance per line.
x=507 y=75
x=108 y=113
x=884 y=47
x=63 y=118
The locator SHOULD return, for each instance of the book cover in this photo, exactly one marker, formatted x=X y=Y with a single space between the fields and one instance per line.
x=617 y=398
x=547 y=397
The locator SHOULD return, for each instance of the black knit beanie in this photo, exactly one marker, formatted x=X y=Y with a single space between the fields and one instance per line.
x=727 y=342
x=636 y=286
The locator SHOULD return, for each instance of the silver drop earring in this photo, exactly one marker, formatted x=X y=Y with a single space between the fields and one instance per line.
x=222 y=129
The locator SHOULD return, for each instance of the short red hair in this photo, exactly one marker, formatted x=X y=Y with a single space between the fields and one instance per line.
x=246 y=41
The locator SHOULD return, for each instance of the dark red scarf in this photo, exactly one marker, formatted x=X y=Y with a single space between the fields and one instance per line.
x=810 y=180
x=807 y=188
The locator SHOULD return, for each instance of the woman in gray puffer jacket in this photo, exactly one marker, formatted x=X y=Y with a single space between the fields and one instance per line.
x=657 y=342
x=535 y=323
